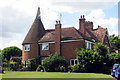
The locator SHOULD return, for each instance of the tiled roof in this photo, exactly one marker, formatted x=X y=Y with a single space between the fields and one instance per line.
x=99 y=34
x=69 y=33
x=35 y=33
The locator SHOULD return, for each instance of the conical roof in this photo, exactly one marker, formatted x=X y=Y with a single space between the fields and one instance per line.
x=36 y=31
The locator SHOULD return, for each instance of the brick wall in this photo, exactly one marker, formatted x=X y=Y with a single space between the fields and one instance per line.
x=67 y=49
x=47 y=52
x=33 y=53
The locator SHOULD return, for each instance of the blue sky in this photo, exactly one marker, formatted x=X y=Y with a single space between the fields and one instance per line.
x=17 y=17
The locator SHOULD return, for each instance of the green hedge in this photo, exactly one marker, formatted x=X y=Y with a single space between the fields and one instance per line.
x=55 y=63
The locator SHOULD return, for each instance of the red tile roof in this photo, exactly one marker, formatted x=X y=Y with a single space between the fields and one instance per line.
x=35 y=33
x=66 y=34
x=99 y=34
x=71 y=33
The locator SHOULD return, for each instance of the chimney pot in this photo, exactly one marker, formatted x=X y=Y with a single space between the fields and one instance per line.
x=81 y=17
x=56 y=22
x=59 y=22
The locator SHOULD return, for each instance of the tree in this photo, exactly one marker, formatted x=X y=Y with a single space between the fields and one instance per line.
x=112 y=59
x=101 y=49
x=115 y=40
x=55 y=63
x=89 y=61
x=9 y=52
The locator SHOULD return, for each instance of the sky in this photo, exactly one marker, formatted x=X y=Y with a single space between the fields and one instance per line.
x=17 y=16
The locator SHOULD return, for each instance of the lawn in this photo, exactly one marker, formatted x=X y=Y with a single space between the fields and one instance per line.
x=55 y=75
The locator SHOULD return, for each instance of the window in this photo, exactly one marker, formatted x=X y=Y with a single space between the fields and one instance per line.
x=73 y=61
x=27 y=47
x=42 y=59
x=88 y=44
x=45 y=46
x=26 y=64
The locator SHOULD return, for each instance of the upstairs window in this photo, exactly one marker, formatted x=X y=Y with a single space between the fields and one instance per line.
x=88 y=44
x=27 y=47
x=45 y=46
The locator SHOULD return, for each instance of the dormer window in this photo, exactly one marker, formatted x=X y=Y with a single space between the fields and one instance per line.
x=45 y=46
x=27 y=47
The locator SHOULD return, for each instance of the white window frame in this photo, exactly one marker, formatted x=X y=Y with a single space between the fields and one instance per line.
x=88 y=46
x=44 y=44
x=74 y=61
x=26 y=64
x=28 y=47
x=42 y=59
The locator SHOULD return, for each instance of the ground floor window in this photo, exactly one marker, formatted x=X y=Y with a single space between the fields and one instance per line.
x=26 y=64
x=42 y=59
x=73 y=61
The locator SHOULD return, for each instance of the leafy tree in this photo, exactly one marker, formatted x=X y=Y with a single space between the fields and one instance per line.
x=115 y=40
x=9 y=52
x=89 y=61
x=55 y=63
x=112 y=59
x=101 y=49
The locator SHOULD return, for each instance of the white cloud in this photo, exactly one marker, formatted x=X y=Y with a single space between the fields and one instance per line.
x=98 y=18
x=17 y=15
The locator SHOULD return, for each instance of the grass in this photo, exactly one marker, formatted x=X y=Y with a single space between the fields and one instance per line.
x=52 y=75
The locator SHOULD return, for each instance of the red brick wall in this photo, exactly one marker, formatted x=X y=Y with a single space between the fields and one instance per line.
x=67 y=49
x=33 y=53
x=47 y=52
x=57 y=38
x=82 y=25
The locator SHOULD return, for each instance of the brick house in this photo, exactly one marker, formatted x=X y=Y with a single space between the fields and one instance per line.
x=64 y=41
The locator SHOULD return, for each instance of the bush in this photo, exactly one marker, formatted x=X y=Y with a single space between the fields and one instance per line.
x=39 y=68
x=69 y=68
x=101 y=49
x=55 y=63
x=112 y=59
x=34 y=62
x=89 y=61
x=9 y=52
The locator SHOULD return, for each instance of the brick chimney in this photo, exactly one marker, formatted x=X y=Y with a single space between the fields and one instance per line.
x=82 y=24
x=58 y=37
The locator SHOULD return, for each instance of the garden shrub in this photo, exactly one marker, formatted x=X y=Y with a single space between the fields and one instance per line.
x=33 y=63
x=101 y=49
x=69 y=68
x=39 y=68
x=89 y=61
x=112 y=59
x=55 y=63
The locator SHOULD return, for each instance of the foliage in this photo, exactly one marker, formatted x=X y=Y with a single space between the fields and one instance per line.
x=101 y=49
x=55 y=63
x=77 y=68
x=89 y=61
x=34 y=62
x=112 y=59
x=115 y=40
x=40 y=68
x=9 y=52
